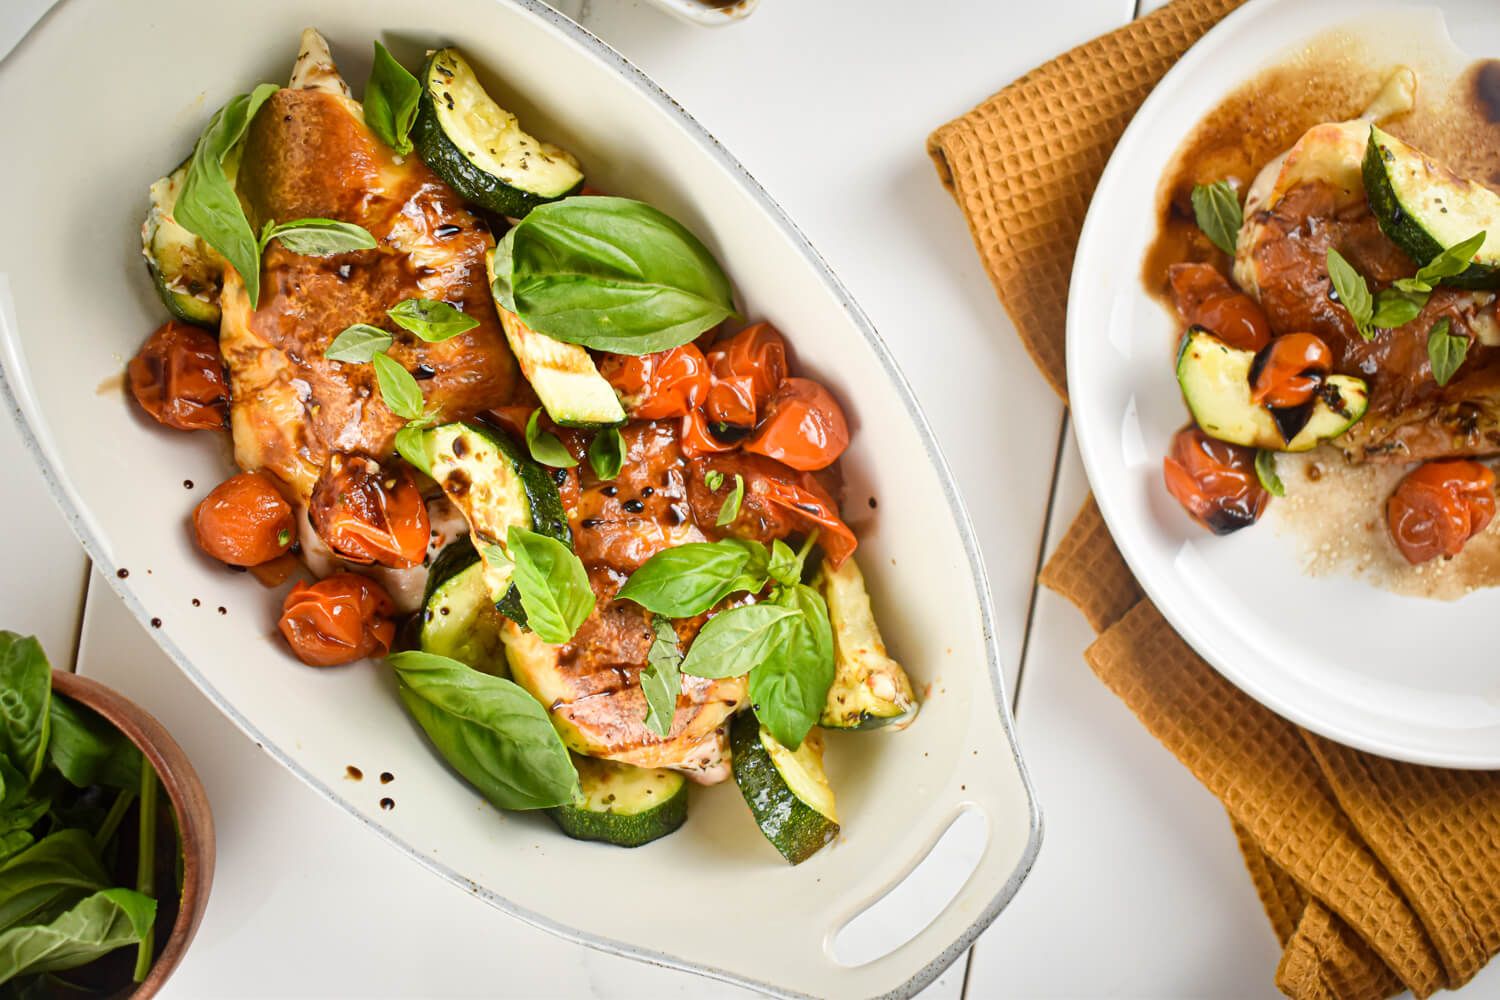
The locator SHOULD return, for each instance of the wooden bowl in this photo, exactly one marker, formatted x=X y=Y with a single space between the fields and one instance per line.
x=195 y=821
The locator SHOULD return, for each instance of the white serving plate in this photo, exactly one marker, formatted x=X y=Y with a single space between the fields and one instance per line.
x=1400 y=676
x=102 y=97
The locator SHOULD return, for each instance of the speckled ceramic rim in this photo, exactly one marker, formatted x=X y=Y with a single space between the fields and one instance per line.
x=632 y=76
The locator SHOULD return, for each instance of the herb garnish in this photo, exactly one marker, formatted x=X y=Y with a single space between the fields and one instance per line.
x=1265 y=471
x=317 y=237
x=358 y=343
x=431 y=319
x=661 y=681
x=607 y=453
x=1216 y=208
x=402 y=394
x=1405 y=299
x=554 y=586
x=391 y=98
x=545 y=447
x=1446 y=351
x=731 y=508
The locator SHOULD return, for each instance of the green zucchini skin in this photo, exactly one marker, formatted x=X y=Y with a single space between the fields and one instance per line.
x=623 y=805
x=458 y=619
x=1408 y=226
x=792 y=826
x=444 y=157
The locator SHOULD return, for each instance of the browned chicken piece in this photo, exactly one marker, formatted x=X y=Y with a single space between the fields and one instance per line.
x=309 y=154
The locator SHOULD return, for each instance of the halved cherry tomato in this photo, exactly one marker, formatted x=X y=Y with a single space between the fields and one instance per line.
x=1205 y=298
x=777 y=502
x=1214 y=481
x=1288 y=370
x=369 y=514
x=745 y=369
x=178 y=378
x=804 y=426
x=337 y=620
x=697 y=440
x=1438 y=507
x=244 y=521
x=657 y=386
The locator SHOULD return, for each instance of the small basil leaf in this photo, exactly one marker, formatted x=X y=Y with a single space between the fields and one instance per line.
x=500 y=267
x=87 y=750
x=607 y=453
x=1352 y=291
x=391 y=97
x=25 y=703
x=736 y=641
x=358 y=344
x=48 y=877
x=545 y=446
x=494 y=555
x=685 y=580
x=790 y=689
x=1265 y=471
x=430 y=319
x=1396 y=307
x=1413 y=286
x=713 y=479
x=1217 y=210
x=615 y=275
x=411 y=444
x=555 y=589
x=402 y=394
x=91 y=929
x=208 y=205
x=318 y=237
x=784 y=566
x=1446 y=351
x=731 y=508
x=661 y=681
x=757 y=572
x=488 y=729
x=13 y=842
x=1451 y=262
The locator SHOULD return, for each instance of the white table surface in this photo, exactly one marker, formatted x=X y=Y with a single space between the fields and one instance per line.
x=1138 y=891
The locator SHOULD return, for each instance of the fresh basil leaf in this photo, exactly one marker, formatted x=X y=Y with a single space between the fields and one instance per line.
x=13 y=842
x=607 y=453
x=92 y=928
x=731 y=508
x=1446 y=351
x=500 y=267
x=494 y=555
x=431 y=319
x=208 y=205
x=1395 y=307
x=1216 y=208
x=358 y=344
x=1352 y=291
x=545 y=446
x=402 y=394
x=87 y=750
x=25 y=699
x=411 y=444
x=615 y=275
x=685 y=580
x=1453 y=261
x=318 y=237
x=1265 y=471
x=48 y=877
x=784 y=566
x=790 y=688
x=391 y=98
x=735 y=642
x=555 y=588
x=757 y=572
x=488 y=729
x=661 y=681
x=713 y=479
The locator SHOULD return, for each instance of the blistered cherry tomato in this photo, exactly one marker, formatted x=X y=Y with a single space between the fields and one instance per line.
x=745 y=370
x=697 y=440
x=244 y=521
x=340 y=619
x=658 y=386
x=1438 y=507
x=1288 y=370
x=803 y=427
x=366 y=513
x=777 y=502
x=1214 y=481
x=1205 y=298
x=178 y=378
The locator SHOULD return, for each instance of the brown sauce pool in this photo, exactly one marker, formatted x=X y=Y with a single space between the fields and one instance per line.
x=1335 y=510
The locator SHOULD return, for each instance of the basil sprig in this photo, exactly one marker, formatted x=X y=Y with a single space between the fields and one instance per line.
x=1216 y=209
x=488 y=729
x=1405 y=299
x=398 y=387
x=1446 y=351
x=391 y=97
x=790 y=687
x=545 y=447
x=208 y=206
x=611 y=274
x=317 y=237
x=92 y=928
x=687 y=580
x=358 y=344
x=431 y=319
x=554 y=586
x=607 y=453
x=661 y=681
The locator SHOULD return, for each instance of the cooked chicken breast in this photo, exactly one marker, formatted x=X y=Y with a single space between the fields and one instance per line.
x=309 y=154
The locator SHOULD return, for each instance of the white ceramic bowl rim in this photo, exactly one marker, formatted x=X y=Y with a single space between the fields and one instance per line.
x=632 y=76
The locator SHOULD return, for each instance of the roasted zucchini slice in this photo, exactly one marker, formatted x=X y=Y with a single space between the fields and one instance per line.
x=495 y=484
x=787 y=791
x=459 y=619
x=478 y=147
x=187 y=272
x=623 y=805
x=1425 y=208
x=869 y=688
x=1215 y=381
